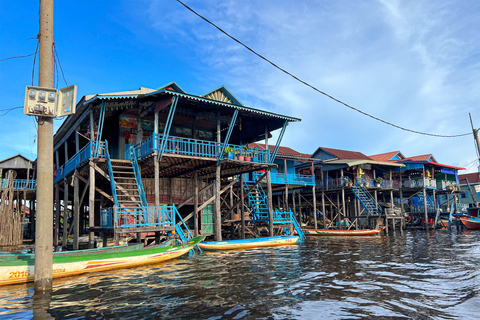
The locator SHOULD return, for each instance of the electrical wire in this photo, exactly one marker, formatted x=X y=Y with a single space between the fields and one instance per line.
x=34 y=59
x=6 y=111
x=316 y=89
x=18 y=57
x=60 y=65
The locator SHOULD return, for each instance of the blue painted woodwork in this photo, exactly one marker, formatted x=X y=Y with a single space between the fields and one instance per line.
x=279 y=140
x=20 y=184
x=193 y=147
x=110 y=172
x=168 y=125
x=366 y=199
x=79 y=159
x=257 y=201
x=101 y=121
x=282 y=178
x=229 y=133
x=138 y=176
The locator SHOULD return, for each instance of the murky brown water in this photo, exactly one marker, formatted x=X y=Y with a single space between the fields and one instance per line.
x=416 y=275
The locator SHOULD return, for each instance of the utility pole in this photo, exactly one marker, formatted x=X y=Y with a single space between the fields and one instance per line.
x=477 y=142
x=44 y=219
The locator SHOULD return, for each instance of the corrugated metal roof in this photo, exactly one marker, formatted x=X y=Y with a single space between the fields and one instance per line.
x=345 y=154
x=473 y=177
x=111 y=97
x=241 y=108
x=385 y=156
x=356 y=162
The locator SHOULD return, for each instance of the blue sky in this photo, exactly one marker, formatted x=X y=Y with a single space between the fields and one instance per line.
x=413 y=63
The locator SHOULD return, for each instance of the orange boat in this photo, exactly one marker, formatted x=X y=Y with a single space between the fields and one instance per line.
x=331 y=232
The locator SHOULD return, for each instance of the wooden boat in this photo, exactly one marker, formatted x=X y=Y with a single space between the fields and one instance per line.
x=19 y=268
x=470 y=222
x=331 y=232
x=249 y=243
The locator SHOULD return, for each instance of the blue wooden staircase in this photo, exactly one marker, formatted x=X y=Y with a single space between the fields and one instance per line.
x=130 y=200
x=366 y=199
x=257 y=201
x=430 y=202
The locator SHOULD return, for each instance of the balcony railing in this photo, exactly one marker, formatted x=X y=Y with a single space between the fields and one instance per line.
x=197 y=148
x=78 y=159
x=282 y=178
x=420 y=183
x=445 y=183
x=20 y=184
x=344 y=182
x=136 y=217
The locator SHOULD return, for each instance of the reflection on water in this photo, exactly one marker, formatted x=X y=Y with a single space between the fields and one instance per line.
x=415 y=275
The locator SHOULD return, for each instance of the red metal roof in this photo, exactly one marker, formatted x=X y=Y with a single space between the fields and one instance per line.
x=384 y=156
x=345 y=154
x=281 y=150
x=423 y=157
x=472 y=178
x=445 y=165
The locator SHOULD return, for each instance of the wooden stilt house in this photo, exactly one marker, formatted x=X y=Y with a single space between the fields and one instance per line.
x=162 y=161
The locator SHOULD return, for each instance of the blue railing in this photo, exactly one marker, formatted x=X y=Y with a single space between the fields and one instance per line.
x=113 y=186
x=79 y=158
x=197 y=148
x=20 y=184
x=284 y=217
x=282 y=178
x=133 y=217
x=138 y=176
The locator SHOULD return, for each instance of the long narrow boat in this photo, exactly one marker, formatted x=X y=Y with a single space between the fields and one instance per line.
x=249 y=243
x=331 y=232
x=470 y=222
x=20 y=268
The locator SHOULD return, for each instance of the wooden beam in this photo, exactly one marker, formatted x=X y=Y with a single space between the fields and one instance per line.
x=109 y=197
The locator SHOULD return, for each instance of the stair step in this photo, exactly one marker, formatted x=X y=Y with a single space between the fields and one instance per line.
x=127 y=189
x=123 y=172
x=120 y=161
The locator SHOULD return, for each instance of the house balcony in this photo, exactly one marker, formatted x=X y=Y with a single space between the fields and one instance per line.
x=195 y=148
x=137 y=217
x=80 y=158
x=444 y=184
x=286 y=179
x=420 y=183
x=337 y=183
x=20 y=184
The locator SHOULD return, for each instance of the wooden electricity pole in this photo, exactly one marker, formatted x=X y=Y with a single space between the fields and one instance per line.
x=44 y=212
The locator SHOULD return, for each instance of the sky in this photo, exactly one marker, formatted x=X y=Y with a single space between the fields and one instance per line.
x=413 y=63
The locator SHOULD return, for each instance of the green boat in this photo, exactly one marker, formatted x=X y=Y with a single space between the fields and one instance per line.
x=20 y=268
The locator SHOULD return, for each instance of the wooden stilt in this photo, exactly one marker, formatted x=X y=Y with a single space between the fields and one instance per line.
x=314 y=206
x=425 y=207
x=217 y=217
x=65 y=213
x=91 y=206
x=343 y=196
x=195 y=204
x=57 y=216
x=76 y=211
x=299 y=209
x=242 y=206
x=323 y=201
x=270 y=203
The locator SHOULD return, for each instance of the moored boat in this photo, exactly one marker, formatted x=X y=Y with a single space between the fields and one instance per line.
x=20 y=268
x=332 y=232
x=249 y=243
x=470 y=222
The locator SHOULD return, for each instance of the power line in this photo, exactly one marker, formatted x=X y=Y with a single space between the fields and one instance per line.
x=313 y=87
x=8 y=110
x=18 y=57
x=34 y=59
x=59 y=64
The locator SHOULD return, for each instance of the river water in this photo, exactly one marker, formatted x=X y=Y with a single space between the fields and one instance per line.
x=414 y=275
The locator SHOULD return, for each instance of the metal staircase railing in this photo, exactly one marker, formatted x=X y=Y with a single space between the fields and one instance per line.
x=138 y=176
x=182 y=229
x=366 y=199
x=286 y=217
x=110 y=173
x=257 y=202
x=430 y=202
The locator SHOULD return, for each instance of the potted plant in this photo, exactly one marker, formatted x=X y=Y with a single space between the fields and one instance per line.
x=247 y=154
x=230 y=152
x=254 y=155
x=378 y=181
x=241 y=155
